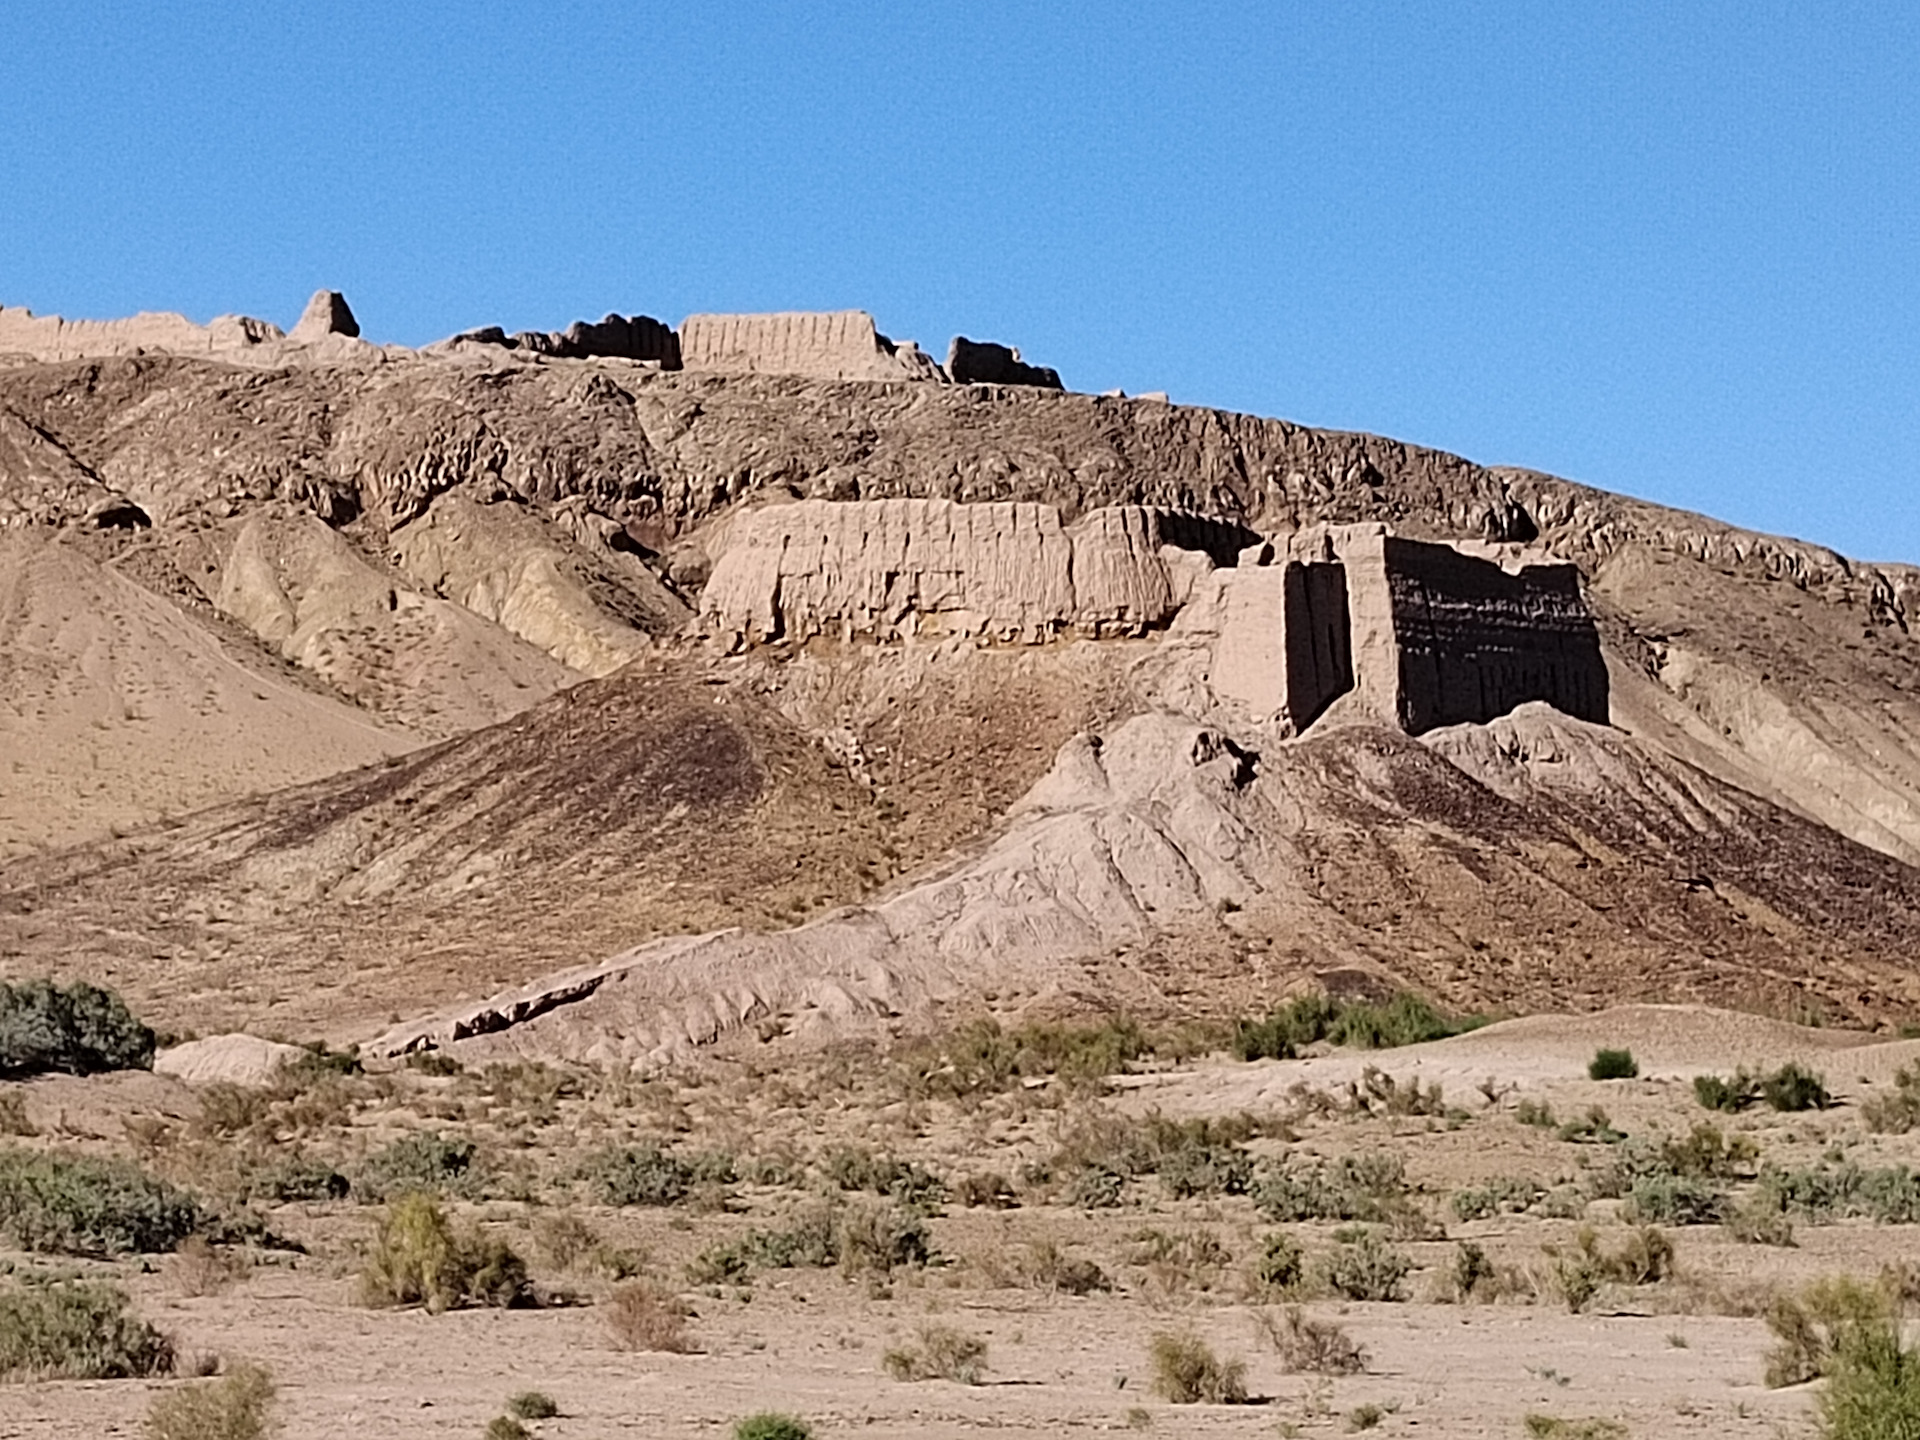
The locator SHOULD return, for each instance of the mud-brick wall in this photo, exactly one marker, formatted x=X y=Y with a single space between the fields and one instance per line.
x=1442 y=638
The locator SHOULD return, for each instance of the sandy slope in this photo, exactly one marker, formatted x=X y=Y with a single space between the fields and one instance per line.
x=116 y=708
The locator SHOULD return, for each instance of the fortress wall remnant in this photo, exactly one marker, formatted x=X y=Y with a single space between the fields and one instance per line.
x=981 y=362
x=1006 y=570
x=1441 y=637
x=619 y=337
x=1277 y=637
x=836 y=345
x=50 y=338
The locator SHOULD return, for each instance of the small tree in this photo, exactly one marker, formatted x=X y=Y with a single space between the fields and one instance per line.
x=1612 y=1065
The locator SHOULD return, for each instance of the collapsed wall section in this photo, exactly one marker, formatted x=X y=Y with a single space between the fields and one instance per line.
x=836 y=345
x=1005 y=570
x=1443 y=638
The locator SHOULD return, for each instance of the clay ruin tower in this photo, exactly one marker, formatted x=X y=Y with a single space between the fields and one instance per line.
x=327 y=313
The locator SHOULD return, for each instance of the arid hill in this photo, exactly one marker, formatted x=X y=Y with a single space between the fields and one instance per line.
x=421 y=635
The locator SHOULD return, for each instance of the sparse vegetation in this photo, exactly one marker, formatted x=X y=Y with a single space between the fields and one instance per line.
x=237 y=1406
x=1187 y=1372
x=72 y=1204
x=637 y=1175
x=1613 y=1065
x=939 y=1352
x=420 y=1257
x=77 y=1029
x=1047 y=1266
x=76 y=1330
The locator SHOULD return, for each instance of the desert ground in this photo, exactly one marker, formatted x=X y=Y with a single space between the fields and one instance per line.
x=1041 y=1238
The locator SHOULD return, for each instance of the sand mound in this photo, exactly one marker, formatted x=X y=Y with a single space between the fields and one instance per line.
x=225 y=1059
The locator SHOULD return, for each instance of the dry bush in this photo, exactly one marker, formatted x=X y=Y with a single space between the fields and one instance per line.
x=1046 y=1266
x=568 y=1244
x=643 y=1316
x=940 y=1353
x=237 y=1406
x=13 y=1113
x=1187 y=1372
x=198 y=1269
x=1306 y=1345
x=1644 y=1256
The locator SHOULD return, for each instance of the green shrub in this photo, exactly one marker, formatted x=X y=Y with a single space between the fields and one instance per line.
x=428 y=1163
x=82 y=1205
x=1794 y=1087
x=637 y=1175
x=532 y=1405
x=939 y=1353
x=76 y=1330
x=985 y=1057
x=420 y=1257
x=854 y=1167
x=238 y=1406
x=1675 y=1200
x=1366 y=1268
x=1873 y=1386
x=1612 y=1065
x=77 y=1029
x=1367 y=1187
x=1822 y=1193
x=505 y=1427
x=771 y=1425
x=1404 y=1019
x=1281 y=1266
x=1811 y=1328
x=1505 y=1195
x=1187 y=1372
x=856 y=1238
x=1728 y=1094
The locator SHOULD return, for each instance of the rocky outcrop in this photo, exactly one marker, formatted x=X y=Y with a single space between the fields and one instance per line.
x=618 y=337
x=327 y=313
x=981 y=362
x=1006 y=571
x=837 y=345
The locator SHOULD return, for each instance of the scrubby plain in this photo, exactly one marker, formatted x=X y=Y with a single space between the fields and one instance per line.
x=1092 y=1225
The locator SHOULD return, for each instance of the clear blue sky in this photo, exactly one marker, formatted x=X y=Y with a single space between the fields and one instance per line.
x=1672 y=250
